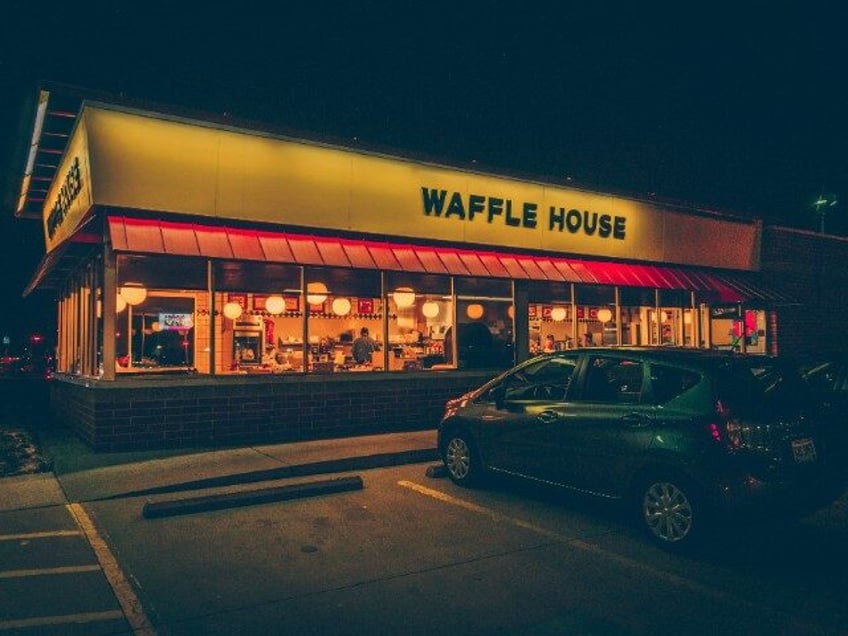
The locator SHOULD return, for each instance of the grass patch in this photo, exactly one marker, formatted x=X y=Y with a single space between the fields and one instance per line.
x=19 y=454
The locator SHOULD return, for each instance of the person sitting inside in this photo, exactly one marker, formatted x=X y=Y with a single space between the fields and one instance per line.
x=550 y=344
x=363 y=347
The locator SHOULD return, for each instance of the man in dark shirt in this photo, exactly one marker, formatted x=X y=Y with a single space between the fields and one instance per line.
x=363 y=347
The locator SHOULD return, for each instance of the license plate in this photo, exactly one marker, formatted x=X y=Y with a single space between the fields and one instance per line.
x=804 y=450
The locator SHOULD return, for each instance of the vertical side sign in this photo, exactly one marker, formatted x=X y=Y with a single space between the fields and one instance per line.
x=69 y=197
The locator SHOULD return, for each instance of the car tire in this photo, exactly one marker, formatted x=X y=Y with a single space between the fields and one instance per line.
x=669 y=511
x=462 y=460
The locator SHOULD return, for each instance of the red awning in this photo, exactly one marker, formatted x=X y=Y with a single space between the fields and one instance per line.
x=67 y=257
x=152 y=236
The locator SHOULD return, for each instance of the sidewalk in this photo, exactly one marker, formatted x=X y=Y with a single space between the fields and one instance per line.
x=95 y=477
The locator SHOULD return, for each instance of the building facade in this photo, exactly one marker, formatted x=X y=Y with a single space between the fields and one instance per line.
x=215 y=283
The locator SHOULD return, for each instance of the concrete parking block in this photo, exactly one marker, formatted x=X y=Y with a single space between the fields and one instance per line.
x=152 y=510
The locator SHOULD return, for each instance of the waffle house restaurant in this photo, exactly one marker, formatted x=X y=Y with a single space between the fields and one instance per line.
x=212 y=282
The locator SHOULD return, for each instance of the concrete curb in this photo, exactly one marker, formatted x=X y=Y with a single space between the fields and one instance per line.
x=340 y=465
x=234 y=500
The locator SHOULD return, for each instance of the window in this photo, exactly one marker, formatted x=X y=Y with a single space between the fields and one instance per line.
x=613 y=380
x=156 y=334
x=546 y=380
x=669 y=382
x=419 y=317
x=550 y=320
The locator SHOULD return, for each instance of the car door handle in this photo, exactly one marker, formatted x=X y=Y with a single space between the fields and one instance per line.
x=637 y=420
x=546 y=417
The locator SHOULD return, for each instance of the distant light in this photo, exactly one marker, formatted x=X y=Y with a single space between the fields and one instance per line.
x=474 y=311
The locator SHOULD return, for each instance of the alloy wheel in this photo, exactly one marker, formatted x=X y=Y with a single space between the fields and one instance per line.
x=667 y=512
x=458 y=459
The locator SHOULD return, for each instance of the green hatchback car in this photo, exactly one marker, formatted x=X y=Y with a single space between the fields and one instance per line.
x=682 y=435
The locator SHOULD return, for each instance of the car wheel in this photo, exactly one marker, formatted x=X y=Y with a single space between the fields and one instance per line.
x=669 y=511
x=462 y=460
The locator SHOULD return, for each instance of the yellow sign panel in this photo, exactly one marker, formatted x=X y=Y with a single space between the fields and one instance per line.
x=145 y=162
x=69 y=196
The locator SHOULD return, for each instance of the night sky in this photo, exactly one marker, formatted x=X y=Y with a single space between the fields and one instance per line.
x=729 y=109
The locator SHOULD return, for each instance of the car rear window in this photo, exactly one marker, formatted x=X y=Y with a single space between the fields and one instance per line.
x=613 y=379
x=755 y=384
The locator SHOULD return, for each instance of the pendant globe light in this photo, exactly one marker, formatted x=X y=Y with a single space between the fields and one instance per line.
x=404 y=297
x=341 y=306
x=430 y=309
x=558 y=314
x=316 y=293
x=133 y=293
x=232 y=310
x=275 y=305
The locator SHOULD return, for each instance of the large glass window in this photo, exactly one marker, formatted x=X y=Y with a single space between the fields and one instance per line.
x=550 y=317
x=737 y=330
x=420 y=314
x=261 y=313
x=341 y=303
x=673 y=328
x=158 y=320
x=484 y=329
x=593 y=303
x=275 y=318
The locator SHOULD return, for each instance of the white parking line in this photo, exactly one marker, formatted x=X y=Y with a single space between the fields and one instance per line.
x=66 y=619
x=668 y=577
x=70 y=569
x=26 y=536
x=124 y=592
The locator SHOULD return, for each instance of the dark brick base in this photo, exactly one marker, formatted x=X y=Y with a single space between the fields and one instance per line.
x=165 y=412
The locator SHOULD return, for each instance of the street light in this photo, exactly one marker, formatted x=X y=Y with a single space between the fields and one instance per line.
x=822 y=204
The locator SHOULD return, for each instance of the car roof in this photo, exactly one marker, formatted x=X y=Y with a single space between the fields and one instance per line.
x=681 y=355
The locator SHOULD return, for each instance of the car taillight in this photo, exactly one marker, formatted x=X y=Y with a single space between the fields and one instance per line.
x=727 y=430
x=745 y=433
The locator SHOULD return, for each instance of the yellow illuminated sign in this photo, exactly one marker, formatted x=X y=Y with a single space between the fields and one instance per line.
x=69 y=196
x=143 y=161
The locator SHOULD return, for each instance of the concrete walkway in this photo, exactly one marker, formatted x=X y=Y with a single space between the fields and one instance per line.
x=232 y=469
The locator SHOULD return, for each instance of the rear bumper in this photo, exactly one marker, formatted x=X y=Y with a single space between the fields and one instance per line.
x=796 y=496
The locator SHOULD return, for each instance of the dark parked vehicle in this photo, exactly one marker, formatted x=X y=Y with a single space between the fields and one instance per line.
x=827 y=380
x=680 y=434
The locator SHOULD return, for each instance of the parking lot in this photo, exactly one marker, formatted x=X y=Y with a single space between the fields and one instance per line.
x=411 y=554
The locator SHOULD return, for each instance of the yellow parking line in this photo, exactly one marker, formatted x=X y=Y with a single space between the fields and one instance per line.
x=69 y=569
x=26 y=536
x=66 y=619
x=130 y=604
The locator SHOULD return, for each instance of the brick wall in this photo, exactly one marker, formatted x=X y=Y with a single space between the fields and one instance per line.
x=163 y=412
x=813 y=270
